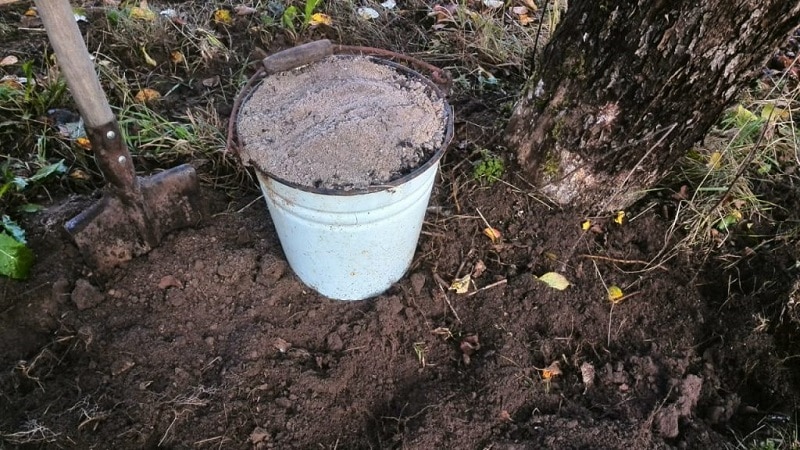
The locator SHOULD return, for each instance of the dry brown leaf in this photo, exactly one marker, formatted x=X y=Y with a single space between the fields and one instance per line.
x=147 y=95
x=9 y=60
x=244 y=10
x=551 y=371
x=478 y=269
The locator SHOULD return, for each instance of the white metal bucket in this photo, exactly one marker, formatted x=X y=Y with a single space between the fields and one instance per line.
x=352 y=245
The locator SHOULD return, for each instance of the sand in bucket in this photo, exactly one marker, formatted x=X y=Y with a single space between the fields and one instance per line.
x=346 y=151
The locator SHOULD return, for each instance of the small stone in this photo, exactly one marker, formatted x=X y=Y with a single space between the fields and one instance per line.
x=209 y=341
x=85 y=295
x=259 y=435
x=169 y=281
x=334 y=342
x=199 y=265
x=417 y=282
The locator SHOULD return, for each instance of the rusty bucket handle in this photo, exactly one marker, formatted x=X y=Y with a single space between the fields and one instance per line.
x=301 y=55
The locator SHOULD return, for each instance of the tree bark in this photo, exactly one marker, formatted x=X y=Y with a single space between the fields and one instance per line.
x=625 y=88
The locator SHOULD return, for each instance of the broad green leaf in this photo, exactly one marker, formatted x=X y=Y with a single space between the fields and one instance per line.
x=14 y=229
x=30 y=208
x=15 y=258
x=48 y=170
x=554 y=280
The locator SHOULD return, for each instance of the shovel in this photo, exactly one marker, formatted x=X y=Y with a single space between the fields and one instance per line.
x=134 y=213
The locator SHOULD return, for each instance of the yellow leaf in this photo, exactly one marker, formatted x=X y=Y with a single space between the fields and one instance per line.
x=31 y=13
x=83 y=142
x=778 y=114
x=140 y=13
x=493 y=234
x=620 y=217
x=148 y=59
x=551 y=371
x=554 y=280
x=147 y=95
x=714 y=160
x=615 y=294
x=525 y=19
x=223 y=16
x=320 y=19
x=461 y=285
x=586 y=224
x=176 y=57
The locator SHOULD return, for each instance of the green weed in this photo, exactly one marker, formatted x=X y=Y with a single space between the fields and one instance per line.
x=489 y=168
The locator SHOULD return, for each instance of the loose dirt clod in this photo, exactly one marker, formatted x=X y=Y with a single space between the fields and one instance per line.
x=342 y=123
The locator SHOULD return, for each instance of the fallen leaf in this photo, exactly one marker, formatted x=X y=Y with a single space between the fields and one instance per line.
x=83 y=142
x=714 y=160
x=320 y=19
x=78 y=174
x=389 y=4
x=244 y=10
x=619 y=219
x=551 y=371
x=479 y=269
x=586 y=224
x=211 y=82
x=769 y=110
x=13 y=82
x=494 y=4
x=493 y=234
x=443 y=13
x=147 y=95
x=223 y=16
x=139 y=13
x=519 y=10
x=505 y=416
x=554 y=280
x=148 y=59
x=615 y=294
x=30 y=12
x=525 y=19
x=176 y=57
x=9 y=60
x=461 y=285
x=367 y=13
x=530 y=4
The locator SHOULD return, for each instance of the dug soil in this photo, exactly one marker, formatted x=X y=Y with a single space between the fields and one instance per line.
x=210 y=340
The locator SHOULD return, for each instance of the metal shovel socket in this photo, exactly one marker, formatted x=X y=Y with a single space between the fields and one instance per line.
x=134 y=213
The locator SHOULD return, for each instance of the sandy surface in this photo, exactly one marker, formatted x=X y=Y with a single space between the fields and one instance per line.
x=342 y=123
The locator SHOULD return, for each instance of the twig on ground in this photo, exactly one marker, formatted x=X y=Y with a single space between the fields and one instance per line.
x=488 y=286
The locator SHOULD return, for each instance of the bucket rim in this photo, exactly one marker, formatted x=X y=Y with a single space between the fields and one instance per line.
x=420 y=169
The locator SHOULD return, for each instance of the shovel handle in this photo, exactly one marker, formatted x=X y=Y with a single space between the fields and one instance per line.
x=297 y=56
x=76 y=64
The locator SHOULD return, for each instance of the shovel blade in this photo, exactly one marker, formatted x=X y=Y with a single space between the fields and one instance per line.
x=115 y=229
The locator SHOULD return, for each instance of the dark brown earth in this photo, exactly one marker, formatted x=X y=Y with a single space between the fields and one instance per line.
x=210 y=341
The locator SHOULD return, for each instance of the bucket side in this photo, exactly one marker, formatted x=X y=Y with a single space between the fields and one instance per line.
x=349 y=247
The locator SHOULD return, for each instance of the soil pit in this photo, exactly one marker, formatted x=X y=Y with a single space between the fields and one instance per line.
x=342 y=123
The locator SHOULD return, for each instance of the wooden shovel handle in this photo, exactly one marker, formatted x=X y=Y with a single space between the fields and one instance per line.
x=74 y=61
x=73 y=58
x=297 y=56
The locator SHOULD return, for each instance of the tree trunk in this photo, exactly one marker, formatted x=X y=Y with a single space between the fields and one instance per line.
x=625 y=88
